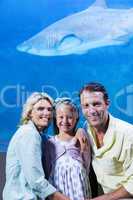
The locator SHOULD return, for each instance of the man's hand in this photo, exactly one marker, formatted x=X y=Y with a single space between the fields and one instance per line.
x=102 y=197
x=82 y=139
x=58 y=196
x=120 y=193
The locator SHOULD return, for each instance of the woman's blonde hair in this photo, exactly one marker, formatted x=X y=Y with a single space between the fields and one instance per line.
x=30 y=102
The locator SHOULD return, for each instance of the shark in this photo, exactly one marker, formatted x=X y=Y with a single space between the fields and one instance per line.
x=95 y=27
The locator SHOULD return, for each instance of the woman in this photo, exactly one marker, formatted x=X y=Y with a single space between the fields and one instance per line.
x=25 y=178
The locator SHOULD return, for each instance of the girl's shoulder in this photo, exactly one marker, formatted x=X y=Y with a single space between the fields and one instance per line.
x=51 y=141
x=52 y=138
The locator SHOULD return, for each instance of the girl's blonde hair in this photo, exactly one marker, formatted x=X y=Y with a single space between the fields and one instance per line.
x=66 y=101
x=30 y=102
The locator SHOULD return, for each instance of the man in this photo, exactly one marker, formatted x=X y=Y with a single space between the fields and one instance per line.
x=112 y=144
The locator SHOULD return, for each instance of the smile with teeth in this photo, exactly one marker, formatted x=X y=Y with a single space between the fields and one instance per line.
x=94 y=117
x=44 y=118
x=65 y=125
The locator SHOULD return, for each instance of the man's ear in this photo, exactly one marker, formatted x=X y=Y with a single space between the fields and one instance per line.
x=108 y=102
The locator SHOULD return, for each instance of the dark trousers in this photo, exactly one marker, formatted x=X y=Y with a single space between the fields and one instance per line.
x=93 y=182
x=2 y=172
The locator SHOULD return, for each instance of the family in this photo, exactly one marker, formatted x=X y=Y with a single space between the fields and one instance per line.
x=58 y=167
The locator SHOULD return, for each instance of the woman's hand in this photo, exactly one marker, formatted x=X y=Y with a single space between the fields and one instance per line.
x=82 y=139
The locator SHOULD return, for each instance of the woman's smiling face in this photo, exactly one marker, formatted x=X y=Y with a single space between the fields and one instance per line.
x=41 y=114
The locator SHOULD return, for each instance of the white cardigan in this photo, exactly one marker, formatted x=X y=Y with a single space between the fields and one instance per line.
x=25 y=178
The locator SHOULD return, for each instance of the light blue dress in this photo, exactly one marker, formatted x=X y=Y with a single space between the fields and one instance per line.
x=25 y=178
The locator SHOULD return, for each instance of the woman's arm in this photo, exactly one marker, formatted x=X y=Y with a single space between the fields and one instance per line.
x=29 y=155
x=58 y=196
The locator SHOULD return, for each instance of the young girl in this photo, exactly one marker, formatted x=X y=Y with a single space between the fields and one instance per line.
x=66 y=167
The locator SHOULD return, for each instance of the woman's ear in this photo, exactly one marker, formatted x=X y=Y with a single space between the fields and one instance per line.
x=29 y=115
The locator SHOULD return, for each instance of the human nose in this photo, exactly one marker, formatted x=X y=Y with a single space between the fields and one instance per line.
x=47 y=112
x=91 y=109
x=65 y=120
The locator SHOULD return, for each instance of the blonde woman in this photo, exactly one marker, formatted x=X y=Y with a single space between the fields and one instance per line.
x=25 y=178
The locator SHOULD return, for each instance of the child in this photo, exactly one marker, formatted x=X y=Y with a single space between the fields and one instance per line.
x=66 y=167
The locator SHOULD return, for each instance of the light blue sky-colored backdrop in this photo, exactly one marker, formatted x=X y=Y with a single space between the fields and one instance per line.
x=22 y=73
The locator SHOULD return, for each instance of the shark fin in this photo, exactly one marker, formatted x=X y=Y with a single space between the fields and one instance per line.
x=99 y=3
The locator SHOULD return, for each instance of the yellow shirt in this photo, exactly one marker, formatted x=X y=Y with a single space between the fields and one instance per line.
x=113 y=162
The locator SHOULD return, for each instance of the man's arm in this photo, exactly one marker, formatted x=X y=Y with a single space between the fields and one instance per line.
x=82 y=138
x=120 y=193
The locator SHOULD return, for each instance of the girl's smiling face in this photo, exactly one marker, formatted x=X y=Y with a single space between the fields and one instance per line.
x=66 y=118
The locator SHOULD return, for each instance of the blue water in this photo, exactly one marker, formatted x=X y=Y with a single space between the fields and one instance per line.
x=22 y=73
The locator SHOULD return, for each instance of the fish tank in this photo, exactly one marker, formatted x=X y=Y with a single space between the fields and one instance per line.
x=59 y=46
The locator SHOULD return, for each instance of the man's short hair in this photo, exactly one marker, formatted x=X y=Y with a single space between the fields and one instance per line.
x=95 y=87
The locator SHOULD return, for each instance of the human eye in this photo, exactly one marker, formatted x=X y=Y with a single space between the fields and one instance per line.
x=60 y=116
x=40 y=108
x=97 y=104
x=50 y=109
x=85 y=106
x=70 y=117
